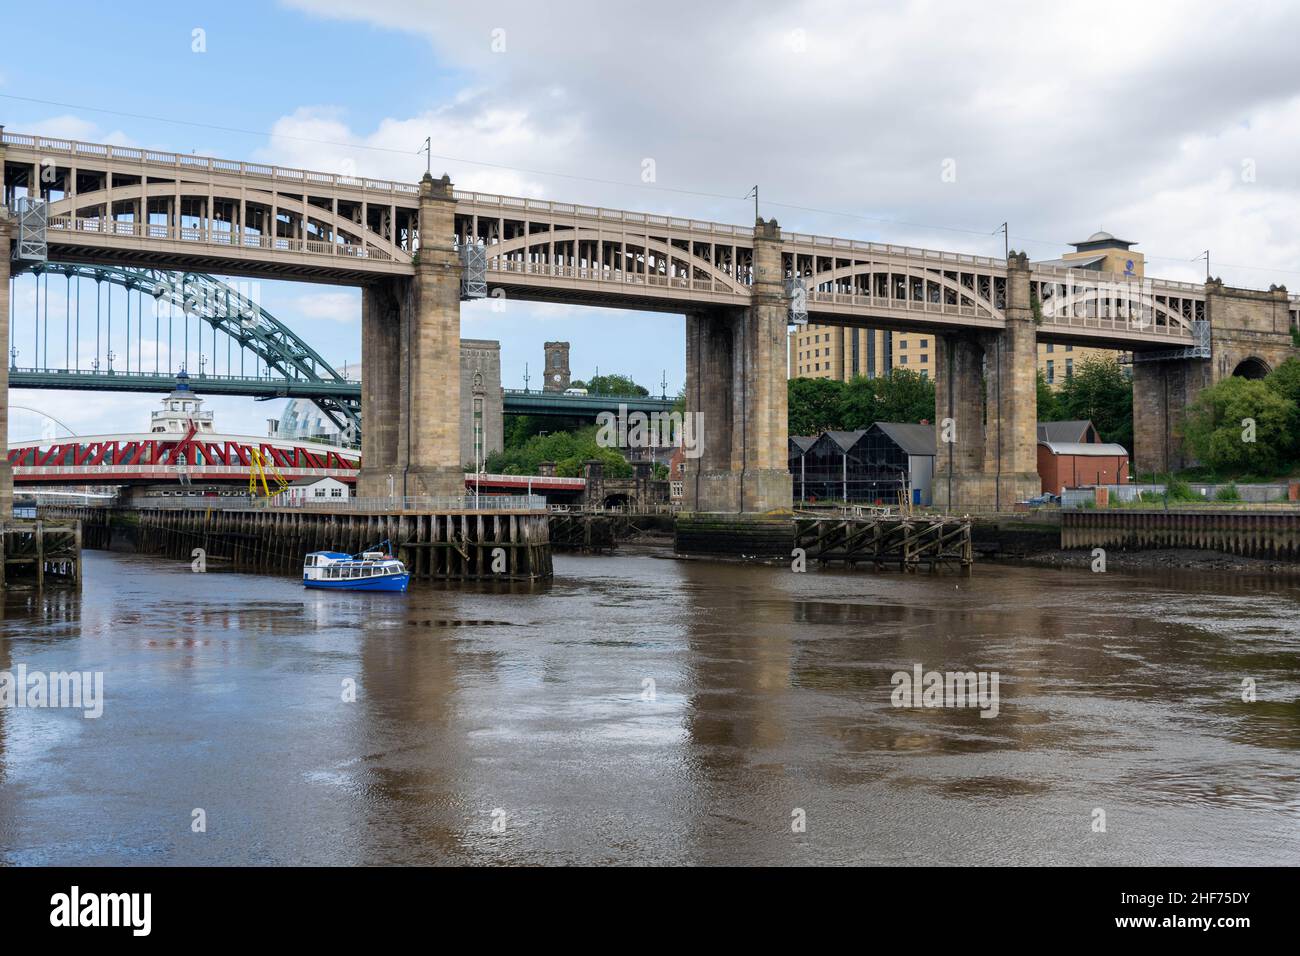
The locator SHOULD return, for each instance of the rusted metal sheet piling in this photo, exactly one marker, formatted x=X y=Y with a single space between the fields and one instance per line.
x=1253 y=534
x=905 y=542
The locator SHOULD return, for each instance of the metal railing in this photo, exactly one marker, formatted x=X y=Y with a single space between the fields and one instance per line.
x=410 y=503
x=102 y=225
x=192 y=163
x=396 y=505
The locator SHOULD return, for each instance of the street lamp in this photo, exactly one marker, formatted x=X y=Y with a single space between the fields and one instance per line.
x=13 y=356
x=111 y=356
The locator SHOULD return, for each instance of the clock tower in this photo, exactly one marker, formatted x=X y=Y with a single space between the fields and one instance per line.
x=557 y=367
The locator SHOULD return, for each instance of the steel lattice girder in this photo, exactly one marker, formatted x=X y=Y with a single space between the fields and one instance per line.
x=229 y=311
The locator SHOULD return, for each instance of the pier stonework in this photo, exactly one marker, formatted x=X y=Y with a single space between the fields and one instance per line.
x=6 y=471
x=411 y=365
x=736 y=381
x=986 y=407
x=1250 y=335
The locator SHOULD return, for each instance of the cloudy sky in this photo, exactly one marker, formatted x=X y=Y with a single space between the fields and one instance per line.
x=1168 y=124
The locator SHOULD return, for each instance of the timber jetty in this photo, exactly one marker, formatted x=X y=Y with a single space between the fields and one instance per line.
x=460 y=540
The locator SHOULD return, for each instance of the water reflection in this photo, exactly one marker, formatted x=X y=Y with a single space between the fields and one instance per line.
x=643 y=710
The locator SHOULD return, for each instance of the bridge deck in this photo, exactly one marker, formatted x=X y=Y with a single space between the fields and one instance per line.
x=266 y=220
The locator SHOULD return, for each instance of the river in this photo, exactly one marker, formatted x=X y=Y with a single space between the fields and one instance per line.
x=644 y=710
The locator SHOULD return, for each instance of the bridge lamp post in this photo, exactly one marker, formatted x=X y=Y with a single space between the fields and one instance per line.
x=111 y=356
x=13 y=357
x=390 y=488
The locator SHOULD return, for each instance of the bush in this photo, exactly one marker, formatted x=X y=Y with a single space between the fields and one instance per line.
x=1240 y=426
x=1227 y=493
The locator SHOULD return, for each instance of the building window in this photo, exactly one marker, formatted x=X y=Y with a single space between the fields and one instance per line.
x=1050 y=348
x=902 y=360
x=336 y=492
x=1069 y=348
x=925 y=373
x=1051 y=371
x=478 y=433
x=1069 y=368
x=925 y=359
x=902 y=343
x=925 y=343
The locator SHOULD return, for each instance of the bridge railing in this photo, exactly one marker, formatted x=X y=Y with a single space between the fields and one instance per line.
x=191 y=163
x=548 y=270
x=426 y=505
x=102 y=225
x=823 y=244
x=1087 y=276
x=888 y=304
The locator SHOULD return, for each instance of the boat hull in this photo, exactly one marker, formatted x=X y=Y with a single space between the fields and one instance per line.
x=387 y=582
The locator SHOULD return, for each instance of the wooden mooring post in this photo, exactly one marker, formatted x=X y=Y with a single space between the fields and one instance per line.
x=902 y=541
x=451 y=546
x=38 y=553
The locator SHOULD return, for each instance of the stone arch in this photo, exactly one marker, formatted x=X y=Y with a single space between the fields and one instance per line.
x=1251 y=367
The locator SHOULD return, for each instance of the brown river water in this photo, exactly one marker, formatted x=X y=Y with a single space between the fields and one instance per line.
x=644 y=710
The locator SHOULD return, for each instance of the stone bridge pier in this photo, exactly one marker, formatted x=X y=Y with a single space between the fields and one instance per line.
x=1250 y=335
x=410 y=358
x=986 y=407
x=6 y=472
x=736 y=382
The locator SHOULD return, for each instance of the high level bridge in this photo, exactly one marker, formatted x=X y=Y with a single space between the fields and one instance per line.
x=405 y=244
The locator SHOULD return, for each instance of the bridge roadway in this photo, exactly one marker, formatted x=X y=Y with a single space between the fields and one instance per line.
x=515 y=401
x=179 y=211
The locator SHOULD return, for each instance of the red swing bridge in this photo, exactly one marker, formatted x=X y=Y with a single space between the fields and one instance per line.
x=192 y=457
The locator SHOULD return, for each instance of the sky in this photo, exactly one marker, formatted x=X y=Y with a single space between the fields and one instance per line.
x=925 y=123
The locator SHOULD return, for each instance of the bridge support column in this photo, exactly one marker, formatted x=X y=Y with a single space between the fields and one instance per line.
x=6 y=472
x=1162 y=390
x=381 y=382
x=986 y=408
x=414 y=338
x=736 y=382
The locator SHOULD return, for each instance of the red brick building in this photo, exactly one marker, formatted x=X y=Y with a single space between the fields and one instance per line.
x=1079 y=464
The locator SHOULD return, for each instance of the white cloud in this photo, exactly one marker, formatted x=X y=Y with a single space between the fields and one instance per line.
x=74 y=127
x=1057 y=119
x=341 y=307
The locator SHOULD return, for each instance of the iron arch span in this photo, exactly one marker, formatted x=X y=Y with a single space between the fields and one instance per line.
x=226 y=310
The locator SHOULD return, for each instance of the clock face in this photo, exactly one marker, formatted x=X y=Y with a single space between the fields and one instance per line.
x=555 y=378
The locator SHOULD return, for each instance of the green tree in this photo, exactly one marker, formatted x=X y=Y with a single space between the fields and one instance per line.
x=568 y=449
x=1240 y=426
x=1100 y=392
x=1285 y=380
x=1049 y=406
x=814 y=405
x=611 y=385
x=903 y=396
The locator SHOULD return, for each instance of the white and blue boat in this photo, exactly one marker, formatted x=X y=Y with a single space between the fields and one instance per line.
x=374 y=570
